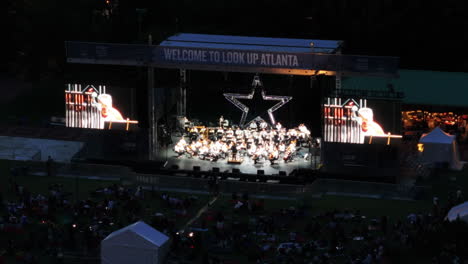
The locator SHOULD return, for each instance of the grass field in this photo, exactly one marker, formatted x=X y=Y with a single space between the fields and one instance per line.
x=80 y=189
x=371 y=208
x=441 y=185
x=445 y=182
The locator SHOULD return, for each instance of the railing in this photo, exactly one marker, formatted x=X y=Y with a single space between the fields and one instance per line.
x=225 y=186
x=379 y=190
x=368 y=94
x=158 y=181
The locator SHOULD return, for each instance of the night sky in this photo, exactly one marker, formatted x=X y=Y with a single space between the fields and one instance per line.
x=424 y=34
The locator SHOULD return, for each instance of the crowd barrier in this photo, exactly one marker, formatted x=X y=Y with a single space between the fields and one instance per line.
x=381 y=190
x=234 y=183
x=80 y=169
x=225 y=186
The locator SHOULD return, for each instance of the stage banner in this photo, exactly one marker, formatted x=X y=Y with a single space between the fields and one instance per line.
x=224 y=59
x=108 y=53
x=368 y=65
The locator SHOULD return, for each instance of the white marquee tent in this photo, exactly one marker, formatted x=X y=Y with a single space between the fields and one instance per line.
x=440 y=147
x=136 y=243
x=459 y=211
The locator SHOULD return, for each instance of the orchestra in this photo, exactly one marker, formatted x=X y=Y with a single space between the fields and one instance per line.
x=259 y=142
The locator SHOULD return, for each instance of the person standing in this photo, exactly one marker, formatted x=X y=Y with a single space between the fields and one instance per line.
x=49 y=165
x=221 y=121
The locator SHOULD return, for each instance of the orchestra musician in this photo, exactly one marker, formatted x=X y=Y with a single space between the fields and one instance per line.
x=278 y=126
x=258 y=154
x=179 y=148
x=263 y=125
x=253 y=126
x=221 y=121
x=271 y=143
x=234 y=151
x=273 y=156
x=290 y=150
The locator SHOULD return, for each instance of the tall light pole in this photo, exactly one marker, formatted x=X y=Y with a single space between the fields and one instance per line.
x=140 y=13
x=151 y=118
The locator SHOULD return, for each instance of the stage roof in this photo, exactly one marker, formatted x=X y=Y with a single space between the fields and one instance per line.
x=420 y=87
x=251 y=43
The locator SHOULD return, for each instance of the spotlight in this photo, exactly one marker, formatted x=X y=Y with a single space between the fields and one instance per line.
x=256 y=81
x=190 y=234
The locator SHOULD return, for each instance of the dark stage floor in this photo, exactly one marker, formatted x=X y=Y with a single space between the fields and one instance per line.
x=247 y=166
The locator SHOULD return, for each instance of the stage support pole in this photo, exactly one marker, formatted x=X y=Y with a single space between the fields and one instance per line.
x=182 y=100
x=151 y=114
x=184 y=95
x=338 y=82
x=313 y=158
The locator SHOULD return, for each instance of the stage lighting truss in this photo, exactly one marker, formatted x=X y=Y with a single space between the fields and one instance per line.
x=233 y=98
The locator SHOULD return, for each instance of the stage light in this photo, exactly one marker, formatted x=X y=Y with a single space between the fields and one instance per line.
x=256 y=81
x=190 y=234
x=420 y=147
x=74 y=225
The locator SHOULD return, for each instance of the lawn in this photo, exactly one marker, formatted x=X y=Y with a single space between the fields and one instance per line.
x=445 y=182
x=395 y=209
x=81 y=189
x=313 y=207
x=371 y=208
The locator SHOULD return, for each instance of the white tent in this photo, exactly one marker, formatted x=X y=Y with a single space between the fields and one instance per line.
x=136 y=243
x=440 y=147
x=459 y=211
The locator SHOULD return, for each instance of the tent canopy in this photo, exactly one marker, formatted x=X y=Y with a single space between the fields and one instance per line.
x=441 y=148
x=459 y=211
x=136 y=243
x=437 y=135
x=143 y=230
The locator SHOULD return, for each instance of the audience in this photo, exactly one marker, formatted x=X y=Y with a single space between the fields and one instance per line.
x=52 y=224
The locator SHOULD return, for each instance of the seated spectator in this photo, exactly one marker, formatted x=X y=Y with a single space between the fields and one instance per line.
x=238 y=205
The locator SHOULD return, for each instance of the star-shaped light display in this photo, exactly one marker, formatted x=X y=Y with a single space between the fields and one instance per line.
x=234 y=99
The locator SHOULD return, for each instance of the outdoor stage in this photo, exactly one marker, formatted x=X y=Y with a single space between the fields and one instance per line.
x=246 y=167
